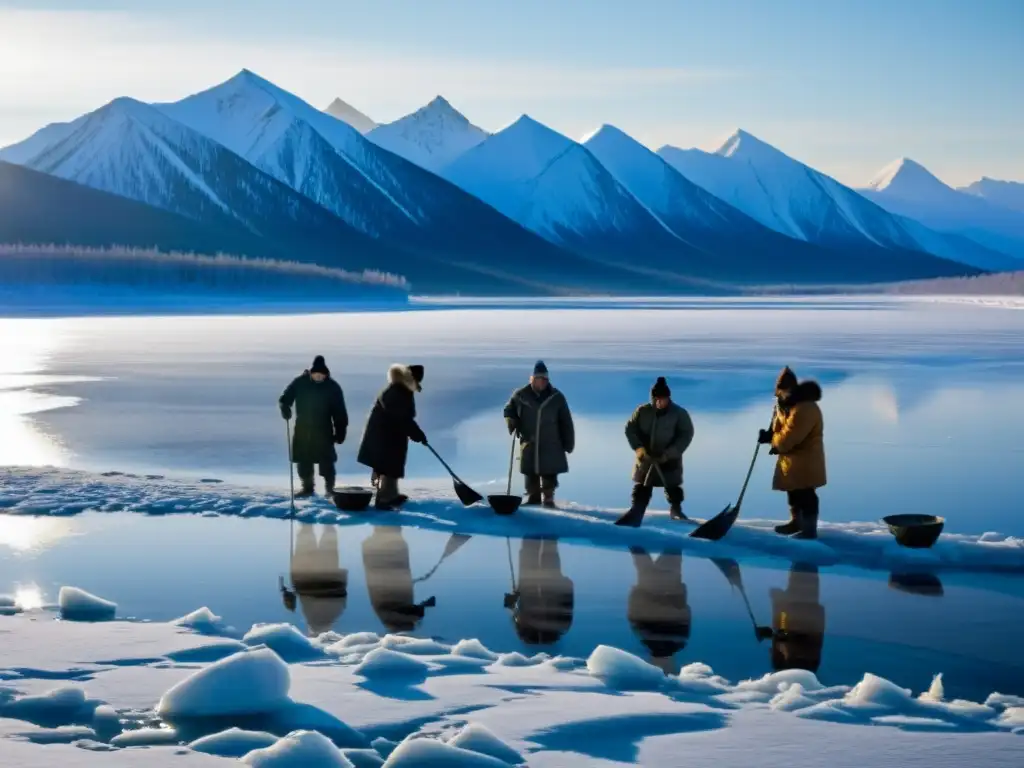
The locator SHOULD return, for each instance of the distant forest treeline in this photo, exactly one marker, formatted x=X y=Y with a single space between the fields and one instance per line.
x=154 y=269
x=998 y=284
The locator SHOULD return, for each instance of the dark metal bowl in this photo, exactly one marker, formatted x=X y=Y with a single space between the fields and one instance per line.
x=917 y=583
x=503 y=504
x=352 y=499
x=915 y=531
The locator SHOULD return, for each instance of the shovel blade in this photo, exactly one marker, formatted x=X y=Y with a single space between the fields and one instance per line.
x=466 y=495
x=510 y=600
x=716 y=527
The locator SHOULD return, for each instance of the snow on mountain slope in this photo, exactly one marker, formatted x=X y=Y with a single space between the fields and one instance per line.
x=909 y=189
x=349 y=114
x=552 y=185
x=798 y=201
x=1009 y=194
x=432 y=136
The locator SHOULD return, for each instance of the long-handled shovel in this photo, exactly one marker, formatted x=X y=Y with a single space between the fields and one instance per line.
x=507 y=504
x=511 y=598
x=731 y=570
x=634 y=518
x=287 y=594
x=466 y=495
x=716 y=527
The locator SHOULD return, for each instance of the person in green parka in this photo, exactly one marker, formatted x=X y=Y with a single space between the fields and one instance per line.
x=540 y=414
x=659 y=432
x=321 y=422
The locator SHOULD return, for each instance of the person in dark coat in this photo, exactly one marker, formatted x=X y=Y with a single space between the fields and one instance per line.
x=321 y=422
x=318 y=580
x=659 y=432
x=658 y=609
x=798 y=620
x=389 y=580
x=389 y=428
x=543 y=609
x=797 y=437
x=540 y=414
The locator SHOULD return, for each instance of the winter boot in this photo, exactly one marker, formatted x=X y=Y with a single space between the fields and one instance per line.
x=808 y=527
x=533 y=496
x=532 y=500
x=306 y=491
x=675 y=511
x=634 y=516
x=675 y=503
x=548 y=500
x=793 y=526
x=329 y=487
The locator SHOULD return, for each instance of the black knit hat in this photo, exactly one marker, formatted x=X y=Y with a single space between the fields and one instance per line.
x=319 y=366
x=660 y=389
x=787 y=379
x=539 y=369
x=417 y=373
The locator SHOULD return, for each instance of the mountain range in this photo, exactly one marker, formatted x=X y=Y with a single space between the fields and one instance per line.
x=454 y=208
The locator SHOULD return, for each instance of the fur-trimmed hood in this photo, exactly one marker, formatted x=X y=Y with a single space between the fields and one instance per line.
x=805 y=392
x=402 y=374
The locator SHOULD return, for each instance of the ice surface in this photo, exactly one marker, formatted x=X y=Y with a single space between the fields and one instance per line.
x=301 y=749
x=864 y=544
x=233 y=742
x=250 y=682
x=78 y=605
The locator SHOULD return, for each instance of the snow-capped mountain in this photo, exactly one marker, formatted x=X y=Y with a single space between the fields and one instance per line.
x=557 y=188
x=1009 y=194
x=349 y=114
x=907 y=188
x=432 y=136
x=805 y=204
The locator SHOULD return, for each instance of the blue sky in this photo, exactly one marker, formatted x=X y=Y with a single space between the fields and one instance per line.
x=844 y=85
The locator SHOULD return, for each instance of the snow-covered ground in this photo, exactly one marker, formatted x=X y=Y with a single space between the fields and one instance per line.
x=195 y=692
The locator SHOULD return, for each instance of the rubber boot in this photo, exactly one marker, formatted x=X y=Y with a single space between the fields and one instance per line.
x=675 y=511
x=532 y=500
x=793 y=526
x=808 y=527
x=675 y=503
x=533 y=497
x=329 y=487
x=548 y=500
x=306 y=491
x=634 y=516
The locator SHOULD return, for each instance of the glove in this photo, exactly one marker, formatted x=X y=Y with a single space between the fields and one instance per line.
x=286 y=412
x=764 y=437
x=417 y=436
x=339 y=437
x=772 y=451
x=641 y=453
x=513 y=425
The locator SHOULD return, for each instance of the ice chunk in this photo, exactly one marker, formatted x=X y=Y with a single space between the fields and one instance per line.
x=246 y=683
x=476 y=738
x=78 y=605
x=935 y=692
x=791 y=699
x=777 y=682
x=383 y=663
x=428 y=753
x=234 y=742
x=363 y=758
x=414 y=647
x=473 y=649
x=146 y=737
x=284 y=640
x=1012 y=717
x=877 y=692
x=384 y=746
x=60 y=704
x=299 y=749
x=518 y=660
x=623 y=671
x=204 y=621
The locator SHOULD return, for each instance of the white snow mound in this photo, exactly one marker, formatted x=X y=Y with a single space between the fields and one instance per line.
x=246 y=683
x=284 y=640
x=234 y=742
x=299 y=749
x=428 y=753
x=623 y=671
x=384 y=663
x=476 y=738
x=78 y=605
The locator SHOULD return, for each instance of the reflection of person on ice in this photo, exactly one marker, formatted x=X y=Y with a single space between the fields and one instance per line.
x=389 y=580
x=543 y=609
x=798 y=619
x=318 y=580
x=658 y=609
x=659 y=432
x=321 y=422
x=541 y=416
x=797 y=437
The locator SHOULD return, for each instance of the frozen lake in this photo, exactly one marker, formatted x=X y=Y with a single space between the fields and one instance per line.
x=924 y=408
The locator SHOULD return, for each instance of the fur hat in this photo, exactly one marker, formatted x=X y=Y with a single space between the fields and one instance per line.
x=787 y=380
x=417 y=373
x=539 y=369
x=319 y=366
x=660 y=389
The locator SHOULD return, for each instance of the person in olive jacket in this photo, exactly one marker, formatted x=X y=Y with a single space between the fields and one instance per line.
x=659 y=432
x=321 y=422
x=541 y=416
x=389 y=428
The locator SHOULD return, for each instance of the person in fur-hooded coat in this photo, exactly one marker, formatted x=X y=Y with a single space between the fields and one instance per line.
x=389 y=428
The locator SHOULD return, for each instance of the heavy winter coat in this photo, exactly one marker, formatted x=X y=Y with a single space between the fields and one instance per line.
x=389 y=581
x=798 y=618
x=798 y=438
x=391 y=424
x=664 y=435
x=546 y=430
x=321 y=419
x=544 y=610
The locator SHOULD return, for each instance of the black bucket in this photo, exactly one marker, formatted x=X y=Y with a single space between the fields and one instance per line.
x=504 y=504
x=353 y=499
x=915 y=531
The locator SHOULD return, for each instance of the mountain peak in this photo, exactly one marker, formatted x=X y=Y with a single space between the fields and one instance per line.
x=606 y=132
x=345 y=112
x=904 y=176
x=743 y=143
